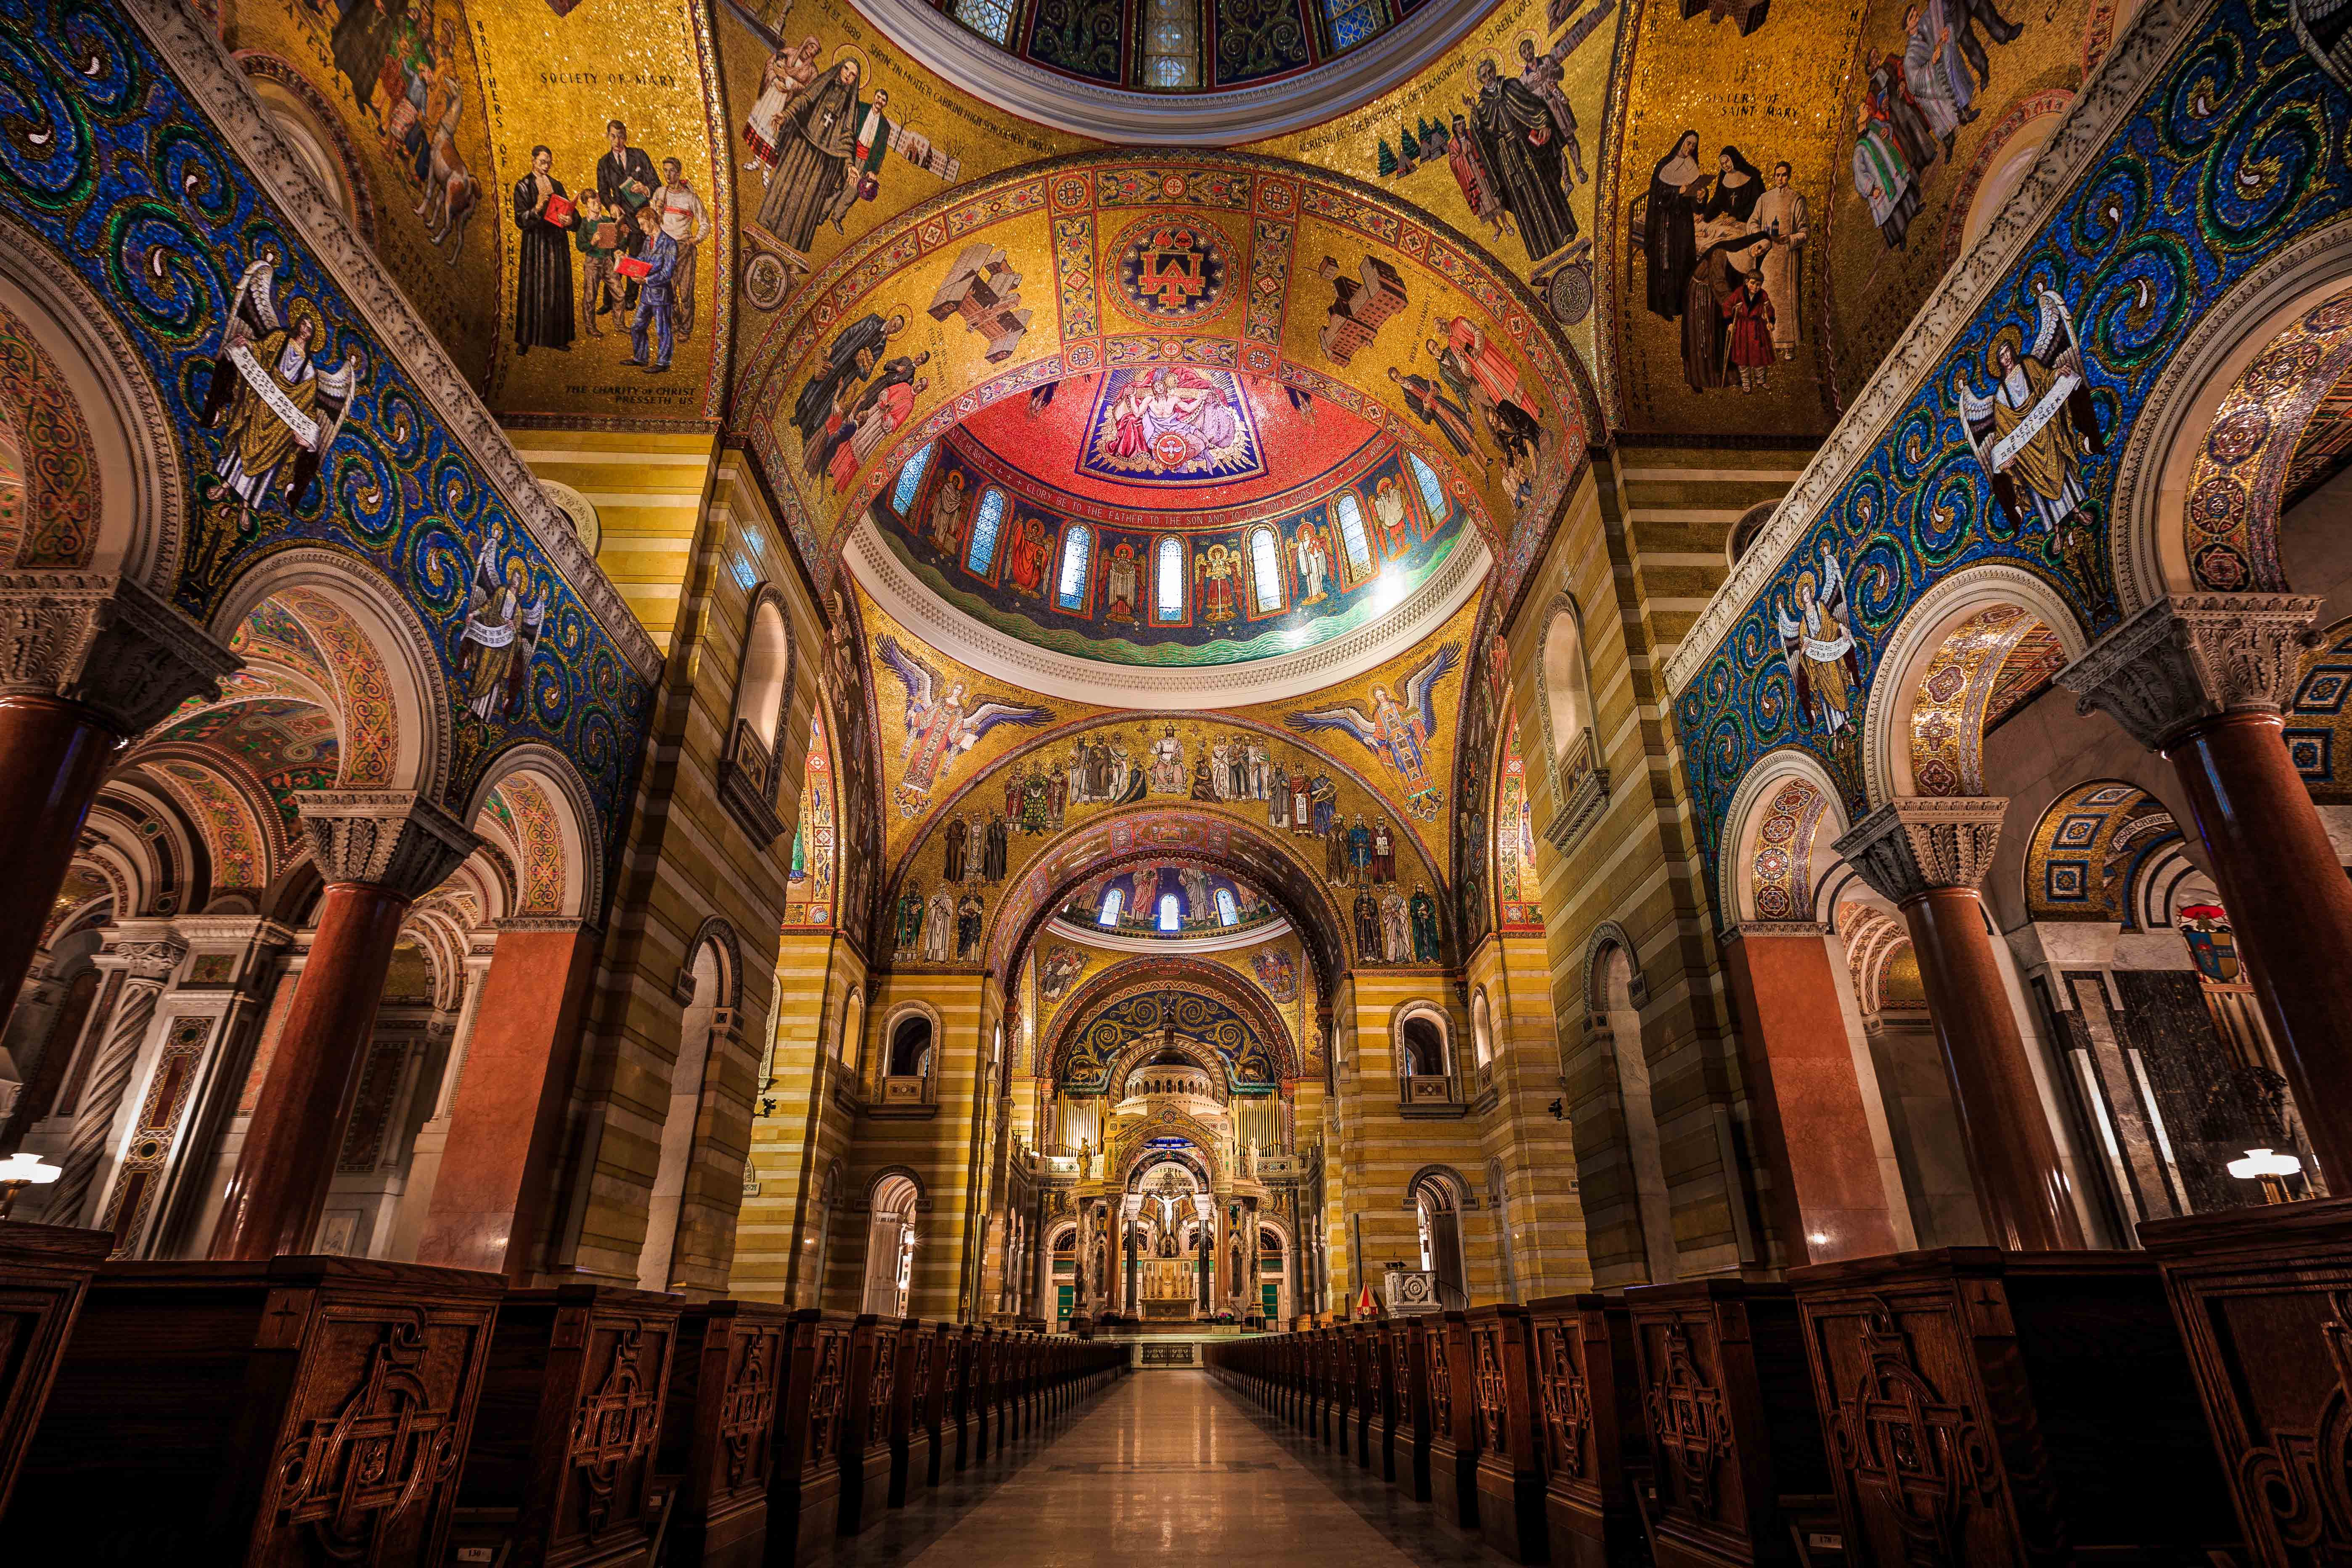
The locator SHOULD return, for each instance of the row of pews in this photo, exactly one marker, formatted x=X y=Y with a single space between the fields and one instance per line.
x=330 y=1410
x=1961 y=1406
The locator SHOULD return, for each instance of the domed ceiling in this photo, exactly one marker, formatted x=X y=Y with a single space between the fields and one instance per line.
x=1170 y=515
x=1176 y=901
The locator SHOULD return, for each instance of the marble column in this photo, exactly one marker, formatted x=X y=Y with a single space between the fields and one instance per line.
x=146 y=954
x=1927 y=856
x=378 y=851
x=2201 y=678
x=505 y=1108
x=87 y=661
x=1826 y=1199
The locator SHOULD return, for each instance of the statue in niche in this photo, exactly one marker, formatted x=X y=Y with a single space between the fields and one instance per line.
x=1167 y=1247
x=1249 y=1158
x=1086 y=1159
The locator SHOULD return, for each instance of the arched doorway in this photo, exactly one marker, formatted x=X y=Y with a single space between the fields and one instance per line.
x=703 y=1017
x=1437 y=1214
x=891 y=1240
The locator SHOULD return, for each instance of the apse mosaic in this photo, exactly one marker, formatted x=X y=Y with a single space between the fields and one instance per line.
x=1040 y=518
x=808 y=890
x=1173 y=900
x=2006 y=452
x=304 y=430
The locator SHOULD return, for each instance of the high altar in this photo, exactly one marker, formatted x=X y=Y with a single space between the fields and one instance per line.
x=1169 y=1289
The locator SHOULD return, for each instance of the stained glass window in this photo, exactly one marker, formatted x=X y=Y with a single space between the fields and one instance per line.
x=1350 y=22
x=1351 y=536
x=1167 y=581
x=1227 y=915
x=1075 y=548
x=1171 y=918
x=1172 y=43
x=992 y=19
x=1265 y=569
x=1112 y=899
x=984 y=525
x=1433 y=494
x=911 y=479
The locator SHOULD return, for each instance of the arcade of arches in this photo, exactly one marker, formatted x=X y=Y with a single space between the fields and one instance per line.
x=1165 y=675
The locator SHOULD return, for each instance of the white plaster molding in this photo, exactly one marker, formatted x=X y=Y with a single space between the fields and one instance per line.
x=1156 y=688
x=213 y=81
x=1224 y=119
x=2111 y=95
x=1180 y=947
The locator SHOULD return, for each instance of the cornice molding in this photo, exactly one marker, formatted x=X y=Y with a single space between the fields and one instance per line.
x=2098 y=111
x=212 y=79
x=1226 y=119
x=1155 y=689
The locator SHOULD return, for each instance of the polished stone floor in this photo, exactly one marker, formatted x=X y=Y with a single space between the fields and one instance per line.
x=1165 y=1467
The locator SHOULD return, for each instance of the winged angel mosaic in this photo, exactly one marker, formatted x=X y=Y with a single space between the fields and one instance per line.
x=278 y=409
x=944 y=720
x=1399 y=733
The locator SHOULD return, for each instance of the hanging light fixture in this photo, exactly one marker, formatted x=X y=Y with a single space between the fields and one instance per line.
x=2269 y=1169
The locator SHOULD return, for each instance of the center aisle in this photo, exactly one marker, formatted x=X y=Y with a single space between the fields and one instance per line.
x=1170 y=1467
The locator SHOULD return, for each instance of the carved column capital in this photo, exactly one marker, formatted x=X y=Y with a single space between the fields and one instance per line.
x=395 y=839
x=104 y=642
x=2190 y=656
x=145 y=951
x=1922 y=843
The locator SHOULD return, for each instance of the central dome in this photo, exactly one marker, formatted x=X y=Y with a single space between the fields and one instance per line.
x=1170 y=515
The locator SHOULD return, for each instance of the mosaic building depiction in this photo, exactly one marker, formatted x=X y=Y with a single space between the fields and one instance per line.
x=833 y=740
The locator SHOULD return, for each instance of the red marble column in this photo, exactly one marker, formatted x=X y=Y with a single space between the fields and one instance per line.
x=2290 y=907
x=2201 y=678
x=506 y=1119
x=2022 y=1187
x=1927 y=856
x=53 y=755
x=379 y=851
x=85 y=663
x=1828 y=1199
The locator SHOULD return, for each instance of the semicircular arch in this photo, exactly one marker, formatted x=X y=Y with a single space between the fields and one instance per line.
x=1142 y=976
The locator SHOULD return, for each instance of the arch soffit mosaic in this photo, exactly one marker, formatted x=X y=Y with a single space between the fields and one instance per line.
x=1143 y=976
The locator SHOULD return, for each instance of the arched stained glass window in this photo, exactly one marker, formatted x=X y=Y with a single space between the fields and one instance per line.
x=1171 y=918
x=1168 y=579
x=990 y=18
x=1077 y=547
x=1112 y=900
x=984 y=525
x=1432 y=493
x=1265 y=569
x=1351 y=536
x=1227 y=915
x=911 y=479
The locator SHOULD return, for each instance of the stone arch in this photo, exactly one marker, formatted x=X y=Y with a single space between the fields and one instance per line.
x=141 y=519
x=1787 y=807
x=232 y=816
x=1607 y=937
x=1404 y=1050
x=1140 y=975
x=706 y=1025
x=1923 y=729
x=763 y=691
x=886 y=1060
x=1564 y=700
x=2089 y=853
x=2259 y=344
x=1085 y=850
x=564 y=845
x=395 y=718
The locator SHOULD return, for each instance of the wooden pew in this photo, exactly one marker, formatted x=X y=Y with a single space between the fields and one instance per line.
x=1595 y=1437
x=805 y=1488
x=1409 y=1435
x=1509 y=1475
x=1981 y=1406
x=45 y=1273
x=914 y=1418
x=1452 y=1422
x=866 y=1428
x=1734 y=1430
x=291 y=1411
x=718 y=1434
x=561 y=1468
